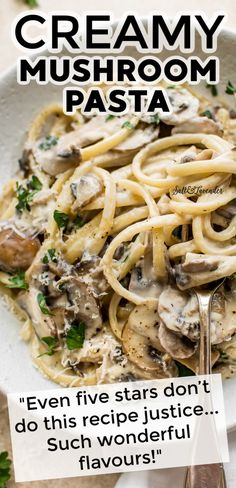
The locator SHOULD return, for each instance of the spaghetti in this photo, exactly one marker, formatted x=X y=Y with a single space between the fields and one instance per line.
x=92 y=254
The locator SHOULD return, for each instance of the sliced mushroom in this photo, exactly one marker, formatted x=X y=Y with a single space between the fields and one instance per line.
x=198 y=269
x=141 y=352
x=17 y=251
x=85 y=189
x=90 y=271
x=202 y=125
x=179 y=312
x=65 y=152
x=184 y=106
x=177 y=346
x=144 y=320
x=141 y=342
x=44 y=325
x=125 y=371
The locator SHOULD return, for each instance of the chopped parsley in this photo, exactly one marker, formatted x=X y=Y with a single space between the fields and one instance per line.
x=110 y=117
x=31 y=3
x=52 y=343
x=127 y=125
x=26 y=195
x=213 y=88
x=51 y=255
x=230 y=88
x=18 y=281
x=48 y=143
x=183 y=370
x=155 y=119
x=35 y=183
x=5 y=469
x=207 y=113
x=41 y=299
x=75 y=336
x=61 y=219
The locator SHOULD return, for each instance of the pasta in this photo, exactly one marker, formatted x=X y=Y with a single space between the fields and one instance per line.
x=106 y=228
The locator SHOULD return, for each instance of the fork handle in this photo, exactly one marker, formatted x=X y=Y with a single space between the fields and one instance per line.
x=205 y=476
x=204 y=302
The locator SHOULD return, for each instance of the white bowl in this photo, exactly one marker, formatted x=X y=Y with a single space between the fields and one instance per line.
x=18 y=107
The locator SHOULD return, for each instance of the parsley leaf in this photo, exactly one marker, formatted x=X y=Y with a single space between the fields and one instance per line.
x=230 y=88
x=5 y=467
x=127 y=125
x=35 y=183
x=18 y=281
x=75 y=336
x=31 y=3
x=232 y=276
x=155 y=119
x=207 y=113
x=26 y=195
x=213 y=89
x=52 y=343
x=43 y=304
x=48 y=143
x=61 y=219
x=24 y=198
x=51 y=255
x=110 y=117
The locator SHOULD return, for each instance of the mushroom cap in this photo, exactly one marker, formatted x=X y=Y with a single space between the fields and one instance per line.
x=184 y=106
x=142 y=345
x=16 y=250
x=177 y=346
x=85 y=189
x=198 y=125
x=179 y=312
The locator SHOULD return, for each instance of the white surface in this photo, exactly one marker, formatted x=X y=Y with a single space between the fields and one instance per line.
x=18 y=107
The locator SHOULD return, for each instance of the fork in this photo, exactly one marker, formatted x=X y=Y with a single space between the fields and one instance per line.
x=207 y=475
